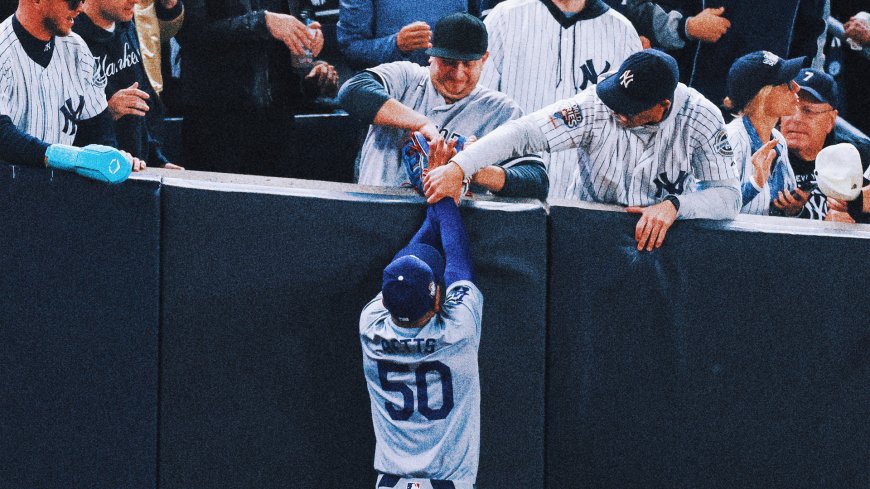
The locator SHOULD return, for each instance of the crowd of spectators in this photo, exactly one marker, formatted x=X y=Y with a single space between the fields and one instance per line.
x=246 y=69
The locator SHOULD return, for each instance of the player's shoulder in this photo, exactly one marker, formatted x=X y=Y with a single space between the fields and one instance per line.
x=372 y=316
x=463 y=292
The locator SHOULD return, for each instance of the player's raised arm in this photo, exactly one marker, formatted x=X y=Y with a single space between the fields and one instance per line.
x=454 y=240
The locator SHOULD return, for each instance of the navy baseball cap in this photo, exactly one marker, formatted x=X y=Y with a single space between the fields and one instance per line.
x=459 y=36
x=644 y=79
x=754 y=71
x=410 y=280
x=819 y=84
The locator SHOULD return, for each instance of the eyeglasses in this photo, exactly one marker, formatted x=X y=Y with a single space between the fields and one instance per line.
x=74 y=4
x=807 y=112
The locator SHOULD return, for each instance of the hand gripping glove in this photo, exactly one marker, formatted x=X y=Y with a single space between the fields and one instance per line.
x=94 y=161
x=415 y=158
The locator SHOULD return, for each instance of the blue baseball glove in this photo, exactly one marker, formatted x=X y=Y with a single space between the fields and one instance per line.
x=415 y=158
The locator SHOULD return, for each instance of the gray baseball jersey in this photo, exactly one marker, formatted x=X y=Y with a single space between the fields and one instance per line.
x=538 y=57
x=740 y=141
x=475 y=115
x=636 y=167
x=425 y=388
x=48 y=103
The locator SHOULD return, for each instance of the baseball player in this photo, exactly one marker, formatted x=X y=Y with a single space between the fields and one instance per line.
x=646 y=141
x=50 y=95
x=420 y=360
x=443 y=102
x=548 y=50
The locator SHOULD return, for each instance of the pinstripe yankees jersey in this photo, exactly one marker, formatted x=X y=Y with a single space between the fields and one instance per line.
x=424 y=387
x=758 y=200
x=49 y=102
x=410 y=84
x=638 y=166
x=538 y=56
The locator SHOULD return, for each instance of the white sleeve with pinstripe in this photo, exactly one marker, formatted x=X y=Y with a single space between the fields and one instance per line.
x=538 y=55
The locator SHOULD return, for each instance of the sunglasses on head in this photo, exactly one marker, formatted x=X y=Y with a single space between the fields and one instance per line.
x=74 y=4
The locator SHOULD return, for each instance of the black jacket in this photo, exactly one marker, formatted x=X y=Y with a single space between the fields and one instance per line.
x=229 y=59
x=120 y=61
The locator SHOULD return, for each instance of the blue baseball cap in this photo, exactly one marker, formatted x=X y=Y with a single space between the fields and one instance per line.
x=644 y=79
x=754 y=71
x=819 y=84
x=410 y=281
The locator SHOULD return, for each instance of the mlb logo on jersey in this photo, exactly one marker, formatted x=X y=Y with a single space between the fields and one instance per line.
x=414 y=485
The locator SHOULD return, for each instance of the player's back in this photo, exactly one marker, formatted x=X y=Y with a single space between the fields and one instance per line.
x=425 y=388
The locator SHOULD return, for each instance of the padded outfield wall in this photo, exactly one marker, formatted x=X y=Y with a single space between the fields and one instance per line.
x=191 y=330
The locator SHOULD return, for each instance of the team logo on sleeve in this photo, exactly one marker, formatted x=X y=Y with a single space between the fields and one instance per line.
x=721 y=143
x=570 y=115
x=457 y=295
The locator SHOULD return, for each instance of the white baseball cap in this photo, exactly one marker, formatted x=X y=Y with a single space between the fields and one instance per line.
x=839 y=172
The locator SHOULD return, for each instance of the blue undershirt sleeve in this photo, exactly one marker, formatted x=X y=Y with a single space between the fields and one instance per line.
x=363 y=96
x=97 y=130
x=457 y=247
x=20 y=148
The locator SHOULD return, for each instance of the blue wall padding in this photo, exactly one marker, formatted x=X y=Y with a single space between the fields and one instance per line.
x=262 y=382
x=728 y=358
x=79 y=299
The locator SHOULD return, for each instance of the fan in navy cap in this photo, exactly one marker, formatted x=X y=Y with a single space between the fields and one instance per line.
x=813 y=127
x=641 y=91
x=642 y=140
x=761 y=90
x=420 y=359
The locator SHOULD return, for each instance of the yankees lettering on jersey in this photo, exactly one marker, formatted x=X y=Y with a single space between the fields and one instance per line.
x=106 y=69
x=424 y=388
x=475 y=115
x=538 y=58
x=48 y=102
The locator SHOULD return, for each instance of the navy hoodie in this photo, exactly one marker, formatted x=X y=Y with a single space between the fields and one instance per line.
x=120 y=61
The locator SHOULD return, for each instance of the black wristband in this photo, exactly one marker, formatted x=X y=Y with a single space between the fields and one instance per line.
x=673 y=200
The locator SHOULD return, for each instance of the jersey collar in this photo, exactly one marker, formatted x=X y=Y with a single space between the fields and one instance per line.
x=593 y=9
x=39 y=51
